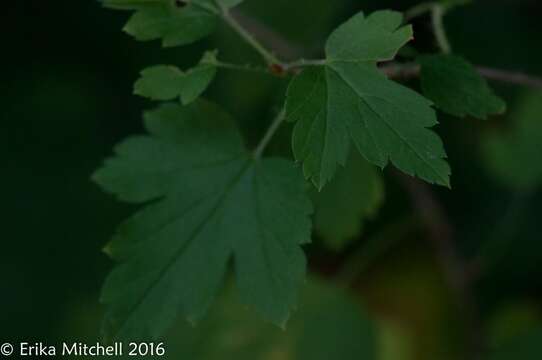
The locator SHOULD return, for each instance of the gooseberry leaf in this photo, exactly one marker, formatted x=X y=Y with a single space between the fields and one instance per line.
x=175 y=22
x=348 y=99
x=352 y=197
x=457 y=88
x=208 y=202
x=167 y=82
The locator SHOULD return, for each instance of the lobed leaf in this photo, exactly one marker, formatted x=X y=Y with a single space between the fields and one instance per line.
x=174 y=22
x=208 y=202
x=348 y=99
x=457 y=88
x=165 y=82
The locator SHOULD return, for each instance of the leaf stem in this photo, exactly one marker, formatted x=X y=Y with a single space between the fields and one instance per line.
x=275 y=125
x=269 y=58
x=427 y=7
x=437 y=17
x=303 y=63
x=240 y=67
x=418 y=10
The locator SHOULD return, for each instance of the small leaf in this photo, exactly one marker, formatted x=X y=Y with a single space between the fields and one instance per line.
x=349 y=99
x=208 y=202
x=506 y=155
x=165 y=82
x=175 y=22
x=353 y=196
x=456 y=87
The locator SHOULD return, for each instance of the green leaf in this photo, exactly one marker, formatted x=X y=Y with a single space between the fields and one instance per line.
x=165 y=82
x=208 y=202
x=175 y=22
x=353 y=196
x=328 y=325
x=457 y=88
x=348 y=98
x=507 y=154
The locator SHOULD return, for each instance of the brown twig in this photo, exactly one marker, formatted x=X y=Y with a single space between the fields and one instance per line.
x=412 y=70
x=273 y=39
x=510 y=77
x=291 y=51
x=440 y=233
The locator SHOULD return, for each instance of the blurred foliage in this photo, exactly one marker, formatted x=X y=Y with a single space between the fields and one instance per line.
x=329 y=325
x=355 y=193
x=67 y=98
x=508 y=153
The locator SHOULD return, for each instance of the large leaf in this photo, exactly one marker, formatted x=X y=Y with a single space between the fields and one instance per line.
x=327 y=325
x=175 y=22
x=210 y=202
x=457 y=88
x=352 y=197
x=166 y=82
x=514 y=156
x=348 y=99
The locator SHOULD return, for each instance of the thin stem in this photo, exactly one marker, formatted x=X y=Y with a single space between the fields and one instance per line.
x=269 y=134
x=440 y=233
x=412 y=70
x=511 y=77
x=269 y=58
x=303 y=63
x=437 y=16
x=418 y=10
x=401 y=71
x=427 y=7
x=239 y=67
x=273 y=40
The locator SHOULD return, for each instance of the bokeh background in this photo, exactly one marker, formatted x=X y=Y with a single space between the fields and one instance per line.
x=66 y=99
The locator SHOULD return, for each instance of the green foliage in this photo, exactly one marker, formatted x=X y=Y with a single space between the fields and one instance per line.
x=164 y=82
x=211 y=202
x=354 y=195
x=348 y=98
x=524 y=347
x=175 y=22
x=507 y=154
x=210 y=208
x=328 y=324
x=457 y=88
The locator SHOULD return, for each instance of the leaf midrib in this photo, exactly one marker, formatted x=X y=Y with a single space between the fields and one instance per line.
x=188 y=242
x=404 y=140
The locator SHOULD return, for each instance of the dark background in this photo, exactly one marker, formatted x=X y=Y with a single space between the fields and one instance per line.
x=66 y=99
